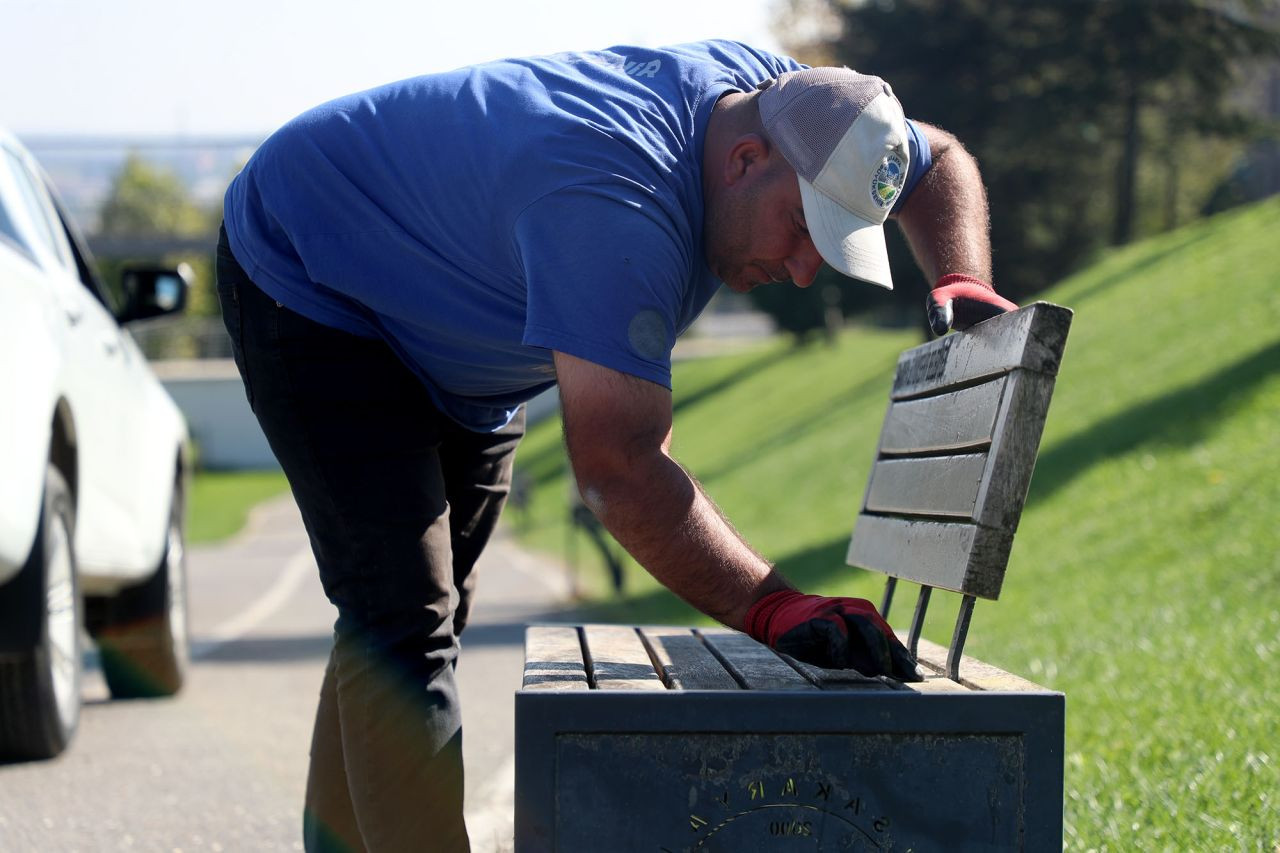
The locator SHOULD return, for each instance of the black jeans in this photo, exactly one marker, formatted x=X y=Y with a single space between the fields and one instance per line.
x=398 y=501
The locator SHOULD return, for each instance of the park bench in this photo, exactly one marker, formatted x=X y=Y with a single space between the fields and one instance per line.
x=674 y=739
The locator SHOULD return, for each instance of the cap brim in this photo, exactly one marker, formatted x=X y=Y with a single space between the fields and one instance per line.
x=850 y=244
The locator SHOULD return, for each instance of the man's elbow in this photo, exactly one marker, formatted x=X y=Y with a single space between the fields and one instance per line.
x=609 y=478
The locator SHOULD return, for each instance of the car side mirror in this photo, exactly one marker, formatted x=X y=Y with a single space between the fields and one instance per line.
x=153 y=291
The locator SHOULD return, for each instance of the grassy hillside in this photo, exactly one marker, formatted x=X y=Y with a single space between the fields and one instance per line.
x=1145 y=580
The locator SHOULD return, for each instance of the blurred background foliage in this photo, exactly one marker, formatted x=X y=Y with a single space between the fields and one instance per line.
x=1095 y=122
x=149 y=216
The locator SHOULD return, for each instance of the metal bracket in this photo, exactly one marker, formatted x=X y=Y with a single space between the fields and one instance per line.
x=917 y=621
x=956 y=650
x=890 y=584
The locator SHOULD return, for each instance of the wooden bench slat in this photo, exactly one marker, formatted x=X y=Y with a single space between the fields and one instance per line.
x=1031 y=338
x=755 y=665
x=958 y=419
x=974 y=674
x=937 y=684
x=553 y=658
x=617 y=660
x=960 y=557
x=936 y=485
x=685 y=661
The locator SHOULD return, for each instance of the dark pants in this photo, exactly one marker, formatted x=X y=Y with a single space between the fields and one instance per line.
x=398 y=501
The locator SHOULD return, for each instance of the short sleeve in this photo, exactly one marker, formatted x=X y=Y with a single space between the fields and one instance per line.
x=606 y=273
x=921 y=159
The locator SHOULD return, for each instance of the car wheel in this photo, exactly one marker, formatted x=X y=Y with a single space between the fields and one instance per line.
x=142 y=630
x=40 y=655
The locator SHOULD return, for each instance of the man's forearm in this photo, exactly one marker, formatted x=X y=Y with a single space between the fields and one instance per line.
x=671 y=527
x=945 y=219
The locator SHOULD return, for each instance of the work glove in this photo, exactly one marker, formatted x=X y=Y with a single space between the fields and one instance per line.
x=959 y=301
x=835 y=633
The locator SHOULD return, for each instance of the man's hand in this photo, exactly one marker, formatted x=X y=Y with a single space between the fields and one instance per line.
x=836 y=633
x=959 y=301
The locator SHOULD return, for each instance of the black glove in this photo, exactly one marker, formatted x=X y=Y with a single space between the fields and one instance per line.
x=835 y=633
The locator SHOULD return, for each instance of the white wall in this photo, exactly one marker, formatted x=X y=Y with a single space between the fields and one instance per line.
x=209 y=392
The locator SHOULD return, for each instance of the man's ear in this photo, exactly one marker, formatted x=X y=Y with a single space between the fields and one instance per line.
x=747 y=156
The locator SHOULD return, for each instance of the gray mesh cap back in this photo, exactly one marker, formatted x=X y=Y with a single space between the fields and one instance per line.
x=845 y=135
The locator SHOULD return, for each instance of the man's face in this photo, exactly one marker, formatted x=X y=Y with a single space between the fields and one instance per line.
x=755 y=232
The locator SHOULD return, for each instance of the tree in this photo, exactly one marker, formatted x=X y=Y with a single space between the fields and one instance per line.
x=1179 y=58
x=1059 y=101
x=145 y=201
x=149 y=203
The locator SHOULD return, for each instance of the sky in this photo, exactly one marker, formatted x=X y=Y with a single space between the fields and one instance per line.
x=244 y=67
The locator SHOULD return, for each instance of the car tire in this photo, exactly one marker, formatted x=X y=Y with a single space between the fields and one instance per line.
x=141 y=631
x=40 y=655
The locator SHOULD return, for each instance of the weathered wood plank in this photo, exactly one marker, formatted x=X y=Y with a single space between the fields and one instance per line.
x=956 y=420
x=1016 y=442
x=617 y=660
x=553 y=658
x=1032 y=338
x=685 y=661
x=935 y=485
x=959 y=557
x=974 y=674
x=937 y=684
x=756 y=666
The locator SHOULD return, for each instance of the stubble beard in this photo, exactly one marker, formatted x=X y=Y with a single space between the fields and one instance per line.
x=727 y=249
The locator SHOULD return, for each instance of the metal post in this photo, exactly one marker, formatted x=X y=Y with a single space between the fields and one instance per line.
x=917 y=621
x=956 y=650
x=890 y=584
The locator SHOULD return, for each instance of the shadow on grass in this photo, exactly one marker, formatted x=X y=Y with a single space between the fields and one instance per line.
x=1141 y=262
x=1183 y=417
x=764 y=359
x=794 y=427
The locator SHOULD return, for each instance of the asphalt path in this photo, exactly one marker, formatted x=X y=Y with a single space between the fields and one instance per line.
x=222 y=766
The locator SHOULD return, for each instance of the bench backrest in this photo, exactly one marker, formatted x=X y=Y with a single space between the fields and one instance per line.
x=956 y=453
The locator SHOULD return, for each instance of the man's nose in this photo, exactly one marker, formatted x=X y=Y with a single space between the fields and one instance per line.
x=803 y=266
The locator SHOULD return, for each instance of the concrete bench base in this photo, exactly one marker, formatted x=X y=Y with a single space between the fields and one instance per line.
x=652 y=739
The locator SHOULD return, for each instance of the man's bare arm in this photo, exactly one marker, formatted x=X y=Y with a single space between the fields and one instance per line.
x=945 y=220
x=618 y=431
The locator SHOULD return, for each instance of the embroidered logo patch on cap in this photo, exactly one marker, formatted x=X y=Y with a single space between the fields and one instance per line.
x=886 y=183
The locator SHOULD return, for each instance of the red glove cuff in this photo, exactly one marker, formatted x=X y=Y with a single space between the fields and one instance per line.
x=961 y=278
x=757 y=621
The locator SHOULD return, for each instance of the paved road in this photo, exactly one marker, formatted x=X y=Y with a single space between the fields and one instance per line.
x=222 y=767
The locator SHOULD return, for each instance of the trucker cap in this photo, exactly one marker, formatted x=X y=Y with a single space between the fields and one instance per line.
x=845 y=135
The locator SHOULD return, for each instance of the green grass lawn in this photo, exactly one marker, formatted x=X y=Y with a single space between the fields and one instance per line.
x=1145 y=579
x=219 y=502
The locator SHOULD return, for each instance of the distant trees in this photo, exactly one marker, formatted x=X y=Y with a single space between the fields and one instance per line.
x=146 y=200
x=150 y=206
x=1095 y=121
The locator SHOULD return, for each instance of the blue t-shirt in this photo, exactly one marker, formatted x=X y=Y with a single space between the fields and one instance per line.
x=478 y=219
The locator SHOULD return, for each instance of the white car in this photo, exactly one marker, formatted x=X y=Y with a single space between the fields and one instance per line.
x=93 y=462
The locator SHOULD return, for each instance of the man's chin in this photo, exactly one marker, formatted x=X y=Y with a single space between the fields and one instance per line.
x=742 y=284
